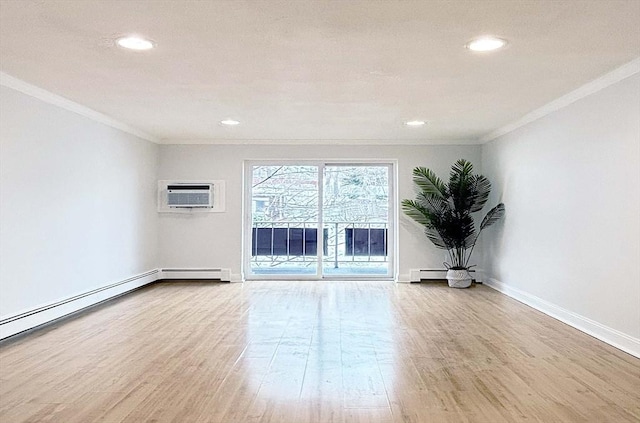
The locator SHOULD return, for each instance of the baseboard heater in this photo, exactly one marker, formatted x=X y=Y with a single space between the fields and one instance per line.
x=223 y=275
x=416 y=275
x=20 y=322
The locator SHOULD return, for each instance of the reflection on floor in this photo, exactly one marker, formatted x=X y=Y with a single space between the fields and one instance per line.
x=301 y=352
x=344 y=270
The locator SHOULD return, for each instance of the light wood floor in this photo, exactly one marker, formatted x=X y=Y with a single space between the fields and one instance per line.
x=300 y=352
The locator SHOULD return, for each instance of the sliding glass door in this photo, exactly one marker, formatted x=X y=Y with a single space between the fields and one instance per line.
x=355 y=216
x=284 y=221
x=318 y=220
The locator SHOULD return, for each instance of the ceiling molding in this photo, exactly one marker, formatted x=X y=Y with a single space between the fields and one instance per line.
x=425 y=142
x=51 y=98
x=586 y=90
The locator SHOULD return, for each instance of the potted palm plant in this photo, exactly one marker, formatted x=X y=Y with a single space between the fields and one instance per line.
x=445 y=210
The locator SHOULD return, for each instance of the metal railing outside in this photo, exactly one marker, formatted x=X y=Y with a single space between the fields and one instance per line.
x=356 y=244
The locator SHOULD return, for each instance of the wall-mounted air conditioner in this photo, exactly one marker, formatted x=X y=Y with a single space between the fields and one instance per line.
x=177 y=196
x=187 y=196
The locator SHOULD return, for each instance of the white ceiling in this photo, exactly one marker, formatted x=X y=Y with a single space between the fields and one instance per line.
x=315 y=70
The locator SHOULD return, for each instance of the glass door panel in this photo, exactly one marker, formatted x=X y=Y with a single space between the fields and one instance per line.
x=284 y=221
x=356 y=221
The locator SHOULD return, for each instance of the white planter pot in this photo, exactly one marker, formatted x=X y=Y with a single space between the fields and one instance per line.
x=459 y=278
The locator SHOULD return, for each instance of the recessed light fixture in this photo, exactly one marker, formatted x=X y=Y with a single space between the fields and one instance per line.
x=486 y=43
x=133 y=42
x=230 y=122
x=415 y=123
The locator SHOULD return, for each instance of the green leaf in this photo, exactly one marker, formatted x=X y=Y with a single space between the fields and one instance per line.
x=435 y=237
x=416 y=211
x=436 y=205
x=482 y=188
x=429 y=183
x=493 y=216
x=461 y=169
x=462 y=186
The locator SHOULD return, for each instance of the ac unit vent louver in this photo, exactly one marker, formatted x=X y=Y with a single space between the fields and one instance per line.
x=190 y=196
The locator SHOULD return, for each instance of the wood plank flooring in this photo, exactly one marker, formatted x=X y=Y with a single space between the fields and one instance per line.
x=299 y=352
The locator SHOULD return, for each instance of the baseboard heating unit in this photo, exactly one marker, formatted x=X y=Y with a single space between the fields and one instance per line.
x=197 y=273
x=416 y=275
x=29 y=319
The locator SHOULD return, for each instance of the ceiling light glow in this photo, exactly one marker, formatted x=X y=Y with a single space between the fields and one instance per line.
x=415 y=123
x=135 y=43
x=487 y=43
x=230 y=122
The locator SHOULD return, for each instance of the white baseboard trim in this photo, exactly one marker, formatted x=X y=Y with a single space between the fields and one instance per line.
x=611 y=336
x=197 y=273
x=29 y=319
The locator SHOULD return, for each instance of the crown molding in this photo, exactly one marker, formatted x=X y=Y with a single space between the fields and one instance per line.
x=586 y=90
x=64 y=103
x=355 y=142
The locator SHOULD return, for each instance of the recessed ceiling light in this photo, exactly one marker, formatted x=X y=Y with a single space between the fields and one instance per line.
x=135 y=43
x=486 y=43
x=230 y=122
x=415 y=123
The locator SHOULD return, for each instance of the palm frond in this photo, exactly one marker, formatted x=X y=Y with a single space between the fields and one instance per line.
x=435 y=237
x=462 y=186
x=416 y=211
x=429 y=183
x=469 y=232
x=482 y=190
x=493 y=216
x=435 y=204
x=457 y=229
x=461 y=169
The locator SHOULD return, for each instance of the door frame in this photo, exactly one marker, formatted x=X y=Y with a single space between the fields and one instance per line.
x=247 y=222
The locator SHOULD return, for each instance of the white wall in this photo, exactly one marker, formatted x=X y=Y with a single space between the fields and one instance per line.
x=77 y=204
x=214 y=239
x=571 y=238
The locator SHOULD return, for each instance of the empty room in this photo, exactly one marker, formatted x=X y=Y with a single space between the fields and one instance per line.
x=305 y=211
